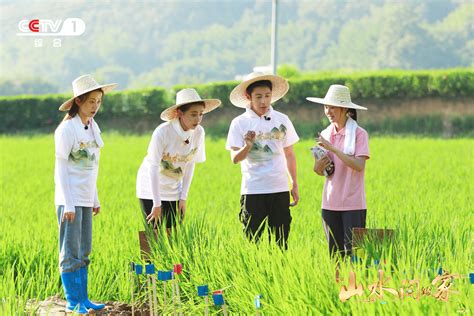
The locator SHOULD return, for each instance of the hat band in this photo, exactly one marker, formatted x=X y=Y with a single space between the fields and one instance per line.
x=182 y=102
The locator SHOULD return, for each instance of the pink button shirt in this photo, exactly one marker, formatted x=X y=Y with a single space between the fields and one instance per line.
x=344 y=189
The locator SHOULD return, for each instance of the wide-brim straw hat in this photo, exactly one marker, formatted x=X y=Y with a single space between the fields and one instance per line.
x=187 y=96
x=280 y=87
x=82 y=85
x=337 y=95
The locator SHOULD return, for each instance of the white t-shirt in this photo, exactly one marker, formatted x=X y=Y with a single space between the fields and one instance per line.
x=169 y=151
x=81 y=149
x=264 y=170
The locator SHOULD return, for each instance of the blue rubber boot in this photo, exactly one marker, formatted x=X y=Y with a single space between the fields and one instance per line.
x=88 y=304
x=73 y=292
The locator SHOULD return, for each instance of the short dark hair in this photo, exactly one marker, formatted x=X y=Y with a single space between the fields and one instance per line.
x=185 y=107
x=256 y=84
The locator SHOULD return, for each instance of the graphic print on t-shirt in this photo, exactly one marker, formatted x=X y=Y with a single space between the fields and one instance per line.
x=263 y=151
x=83 y=157
x=167 y=167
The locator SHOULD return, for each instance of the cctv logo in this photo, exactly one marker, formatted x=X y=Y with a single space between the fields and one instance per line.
x=43 y=27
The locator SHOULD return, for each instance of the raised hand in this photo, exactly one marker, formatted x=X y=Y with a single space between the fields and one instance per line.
x=250 y=138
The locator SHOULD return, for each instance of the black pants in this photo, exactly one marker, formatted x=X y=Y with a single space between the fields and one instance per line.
x=168 y=214
x=338 y=227
x=275 y=207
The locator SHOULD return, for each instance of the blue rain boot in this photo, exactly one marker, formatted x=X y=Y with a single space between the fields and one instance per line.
x=73 y=292
x=88 y=304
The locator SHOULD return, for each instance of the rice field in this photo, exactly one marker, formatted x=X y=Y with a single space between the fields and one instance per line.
x=421 y=187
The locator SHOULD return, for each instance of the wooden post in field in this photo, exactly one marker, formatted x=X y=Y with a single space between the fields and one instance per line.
x=359 y=235
x=143 y=239
x=203 y=291
x=362 y=236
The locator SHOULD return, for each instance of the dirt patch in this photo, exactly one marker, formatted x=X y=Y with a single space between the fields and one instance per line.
x=56 y=306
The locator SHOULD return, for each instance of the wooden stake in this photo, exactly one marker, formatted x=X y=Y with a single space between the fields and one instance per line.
x=172 y=297
x=178 y=297
x=149 y=294
x=133 y=285
x=155 y=302
x=164 y=296
x=173 y=284
x=224 y=309
x=206 y=309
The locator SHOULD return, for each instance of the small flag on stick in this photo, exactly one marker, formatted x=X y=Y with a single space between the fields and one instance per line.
x=218 y=297
x=257 y=303
x=177 y=270
x=150 y=272
x=203 y=291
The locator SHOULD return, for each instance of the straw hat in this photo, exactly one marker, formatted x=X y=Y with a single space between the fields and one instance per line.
x=279 y=88
x=337 y=95
x=187 y=96
x=82 y=85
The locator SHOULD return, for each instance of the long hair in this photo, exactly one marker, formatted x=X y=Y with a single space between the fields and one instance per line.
x=75 y=108
x=352 y=113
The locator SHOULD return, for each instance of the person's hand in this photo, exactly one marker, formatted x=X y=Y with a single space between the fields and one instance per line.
x=250 y=138
x=68 y=216
x=154 y=215
x=295 y=194
x=96 y=210
x=182 y=209
x=324 y=143
x=321 y=164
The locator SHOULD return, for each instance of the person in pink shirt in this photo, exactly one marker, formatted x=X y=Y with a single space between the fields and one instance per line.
x=347 y=148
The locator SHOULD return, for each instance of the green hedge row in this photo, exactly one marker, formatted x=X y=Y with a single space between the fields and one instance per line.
x=367 y=85
x=40 y=113
x=428 y=125
x=26 y=113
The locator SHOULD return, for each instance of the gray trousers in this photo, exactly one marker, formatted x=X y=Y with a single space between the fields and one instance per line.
x=75 y=239
x=338 y=228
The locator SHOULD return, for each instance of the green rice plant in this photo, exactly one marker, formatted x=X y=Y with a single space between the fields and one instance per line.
x=420 y=187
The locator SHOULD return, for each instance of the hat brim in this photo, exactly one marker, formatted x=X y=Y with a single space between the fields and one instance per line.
x=66 y=106
x=332 y=103
x=172 y=113
x=280 y=87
